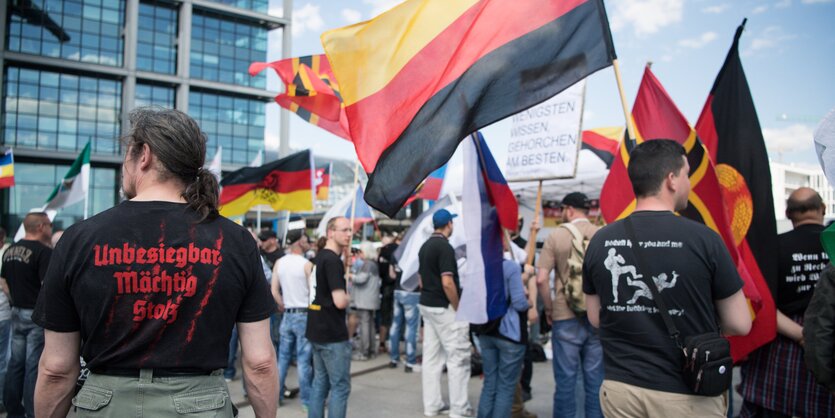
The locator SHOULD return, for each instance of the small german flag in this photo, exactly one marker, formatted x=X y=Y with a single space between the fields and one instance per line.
x=285 y=184
x=603 y=142
x=310 y=91
x=323 y=180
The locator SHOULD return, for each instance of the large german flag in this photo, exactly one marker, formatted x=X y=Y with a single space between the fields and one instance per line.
x=732 y=134
x=310 y=91
x=419 y=78
x=285 y=184
x=656 y=116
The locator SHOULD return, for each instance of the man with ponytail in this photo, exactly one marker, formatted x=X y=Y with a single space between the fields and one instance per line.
x=153 y=348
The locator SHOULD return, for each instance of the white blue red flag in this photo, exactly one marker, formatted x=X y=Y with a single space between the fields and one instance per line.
x=486 y=209
x=362 y=212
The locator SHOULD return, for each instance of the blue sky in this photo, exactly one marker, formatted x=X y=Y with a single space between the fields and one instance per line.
x=788 y=52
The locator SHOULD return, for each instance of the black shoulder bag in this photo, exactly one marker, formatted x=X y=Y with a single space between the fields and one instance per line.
x=707 y=357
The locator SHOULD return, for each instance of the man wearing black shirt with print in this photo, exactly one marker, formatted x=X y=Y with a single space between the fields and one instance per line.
x=439 y=296
x=147 y=292
x=694 y=274
x=776 y=382
x=326 y=329
x=24 y=267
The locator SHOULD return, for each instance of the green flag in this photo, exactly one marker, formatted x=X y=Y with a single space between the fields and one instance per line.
x=75 y=185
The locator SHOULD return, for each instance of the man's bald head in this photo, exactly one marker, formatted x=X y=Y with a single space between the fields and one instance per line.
x=805 y=206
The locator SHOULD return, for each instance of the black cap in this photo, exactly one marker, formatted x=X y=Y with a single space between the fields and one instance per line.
x=576 y=200
x=267 y=234
x=294 y=235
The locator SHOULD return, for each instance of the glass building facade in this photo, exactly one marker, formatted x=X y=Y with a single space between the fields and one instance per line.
x=72 y=70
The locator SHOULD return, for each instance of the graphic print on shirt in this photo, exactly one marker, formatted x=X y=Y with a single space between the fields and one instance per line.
x=805 y=270
x=619 y=269
x=311 y=282
x=159 y=270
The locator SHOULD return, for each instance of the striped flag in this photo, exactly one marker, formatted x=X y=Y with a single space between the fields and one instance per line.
x=323 y=181
x=75 y=185
x=420 y=77
x=310 y=91
x=486 y=209
x=603 y=142
x=6 y=169
x=285 y=184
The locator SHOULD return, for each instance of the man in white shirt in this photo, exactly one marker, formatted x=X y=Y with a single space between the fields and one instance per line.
x=291 y=292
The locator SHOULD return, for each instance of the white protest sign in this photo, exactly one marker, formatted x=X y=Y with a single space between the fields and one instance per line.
x=545 y=139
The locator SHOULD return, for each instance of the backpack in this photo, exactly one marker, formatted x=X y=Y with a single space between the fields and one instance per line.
x=572 y=286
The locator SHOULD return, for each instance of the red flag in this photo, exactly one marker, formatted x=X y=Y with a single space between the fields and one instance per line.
x=310 y=91
x=732 y=134
x=656 y=116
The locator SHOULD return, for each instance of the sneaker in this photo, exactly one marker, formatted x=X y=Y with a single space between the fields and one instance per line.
x=526 y=396
x=227 y=379
x=467 y=413
x=408 y=368
x=392 y=364
x=443 y=411
x=359 y=357
x=291 y=393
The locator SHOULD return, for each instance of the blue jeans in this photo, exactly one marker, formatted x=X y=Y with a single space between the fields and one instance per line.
x=230 y=370
x=405 y=310
x=502 y=361
x=574 y=341
x=5 y=339
x=27 y=345
x=275 y=330
x=331 y=374
x=293 y=327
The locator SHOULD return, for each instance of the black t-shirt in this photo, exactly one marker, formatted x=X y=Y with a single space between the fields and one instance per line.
x=383 y=262
x=326 y=322
x=24 y=267
x=802 y=259
x=147 y=287
x=436 y=257
x=691 y=267
x=272 y=257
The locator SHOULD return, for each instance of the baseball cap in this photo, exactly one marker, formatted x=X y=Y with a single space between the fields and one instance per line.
x=294 y=235
x=442 y=217
x=267 y=234
x=576 y=200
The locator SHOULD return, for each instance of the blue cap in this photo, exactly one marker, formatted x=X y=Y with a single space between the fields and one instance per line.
x=441 y=218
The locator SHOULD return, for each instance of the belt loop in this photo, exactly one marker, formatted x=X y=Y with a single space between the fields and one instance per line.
x=146 y=375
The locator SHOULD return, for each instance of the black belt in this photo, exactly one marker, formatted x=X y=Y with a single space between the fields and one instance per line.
x=296 y=310
x=173 y=372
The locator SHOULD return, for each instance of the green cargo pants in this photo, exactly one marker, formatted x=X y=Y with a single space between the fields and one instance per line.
x=149 y=396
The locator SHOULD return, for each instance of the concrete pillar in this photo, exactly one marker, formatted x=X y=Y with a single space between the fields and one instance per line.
x=129 y=83
x=184 y=55
x=286 y=49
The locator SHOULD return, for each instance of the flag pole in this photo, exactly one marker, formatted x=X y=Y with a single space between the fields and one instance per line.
x=629 y=125
x=353 y=211
x=531 y=250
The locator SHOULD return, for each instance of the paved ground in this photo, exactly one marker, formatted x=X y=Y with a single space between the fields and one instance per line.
x=377 y=391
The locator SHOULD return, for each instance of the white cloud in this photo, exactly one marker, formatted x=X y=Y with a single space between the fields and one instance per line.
x=782 y=4
x=380 y=6
x=646 y=16
x=699 y=41
x=351 y=16
x=307 y=18
x=797 y=137
x=816 y=1
x=760 y=9
x=770 y=38
x=716 y=9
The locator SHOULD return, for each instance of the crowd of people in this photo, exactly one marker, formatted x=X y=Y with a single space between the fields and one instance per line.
x=157 y=294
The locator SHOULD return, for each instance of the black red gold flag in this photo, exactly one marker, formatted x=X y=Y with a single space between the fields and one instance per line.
x=285 y=184
x=416 y=80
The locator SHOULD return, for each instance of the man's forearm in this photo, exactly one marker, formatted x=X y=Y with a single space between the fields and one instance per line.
x=262 y=388
x=54 y=392
x=452 y=294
